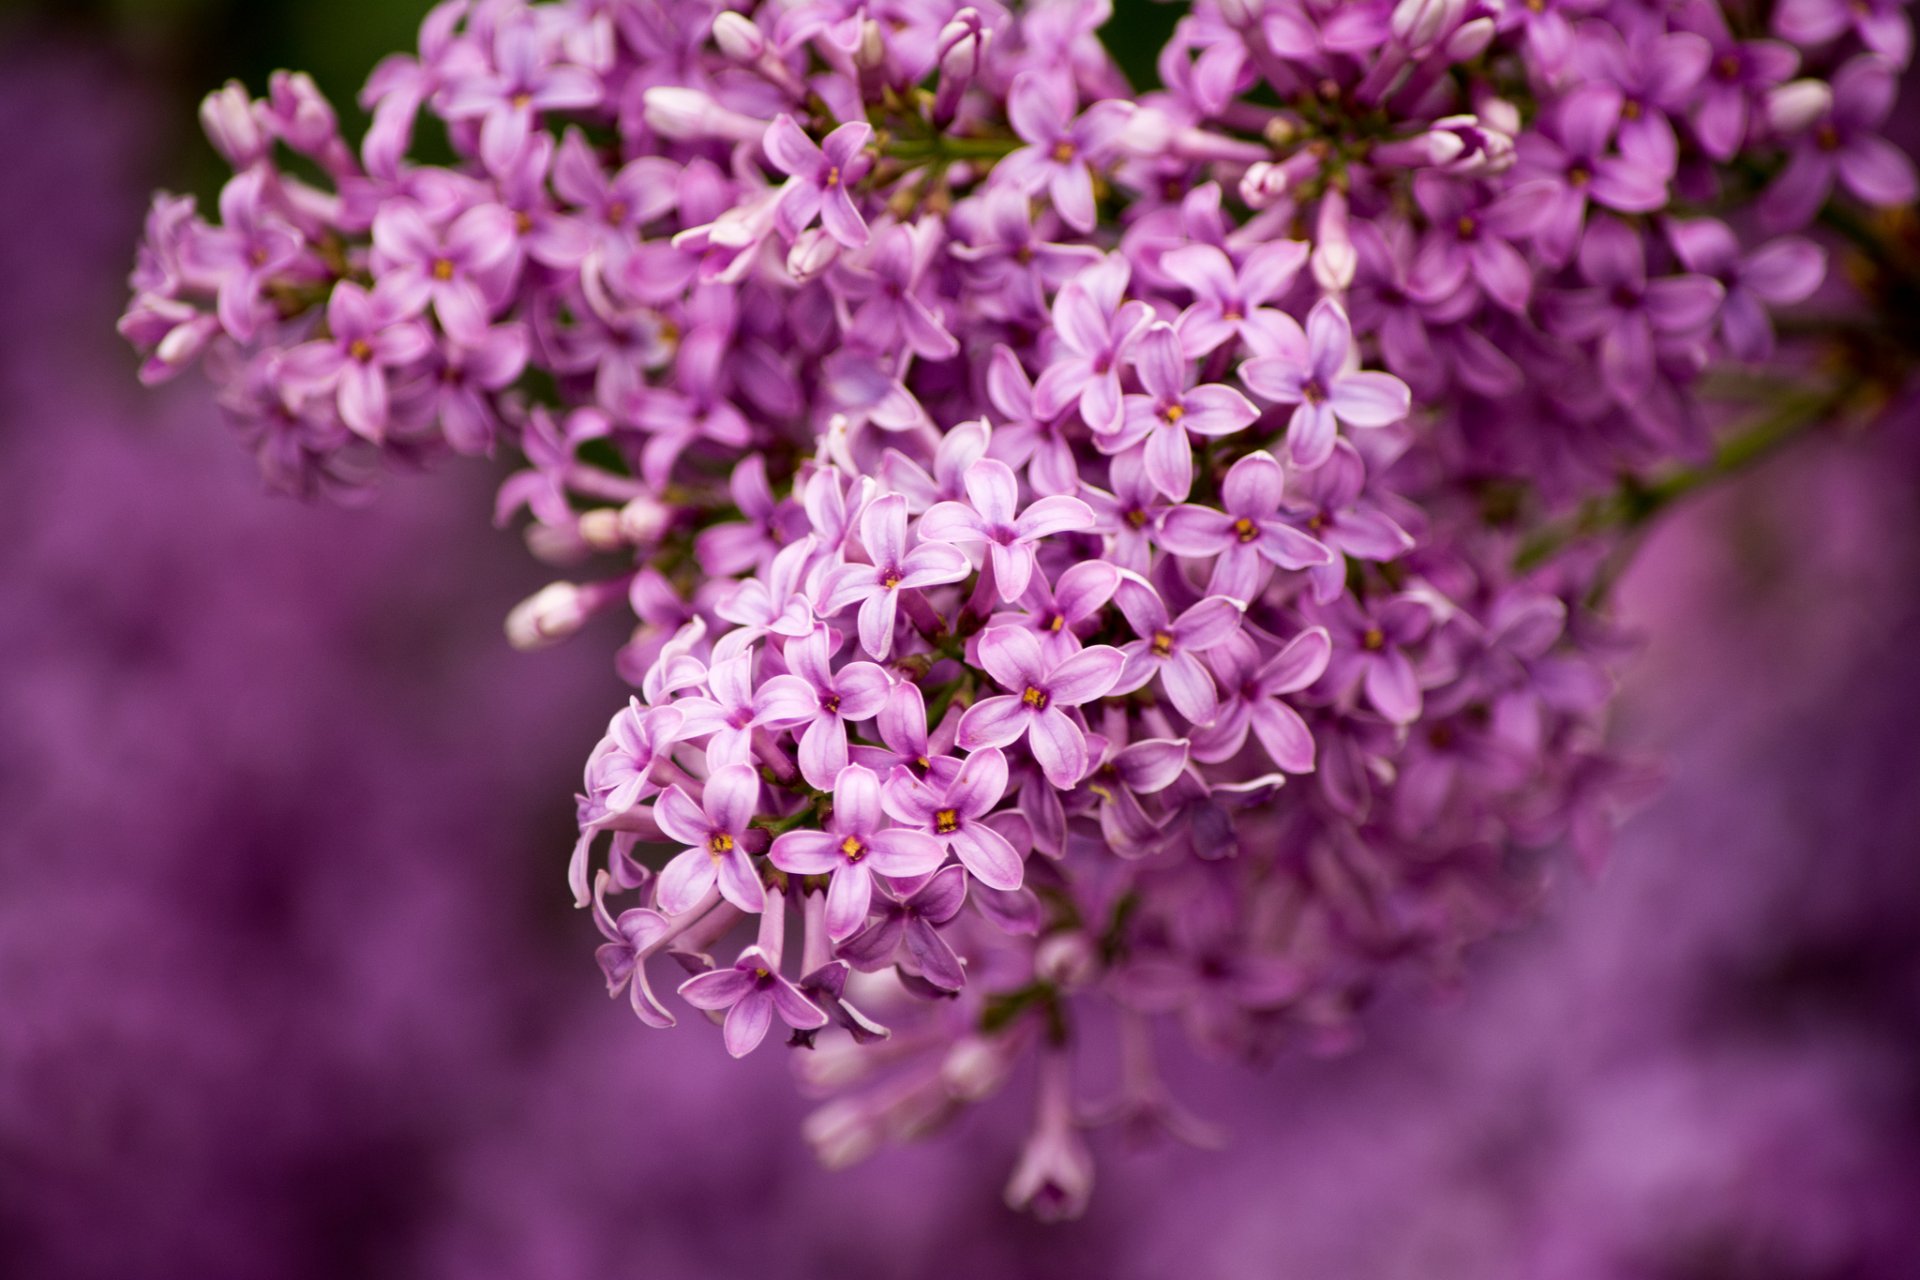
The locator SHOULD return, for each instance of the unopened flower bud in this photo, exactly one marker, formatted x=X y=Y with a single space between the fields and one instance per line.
x=738 y=38
x=548 y=616
x=228 y=117
x=1796 y=105
x=976 y=1067
x=1066 y=959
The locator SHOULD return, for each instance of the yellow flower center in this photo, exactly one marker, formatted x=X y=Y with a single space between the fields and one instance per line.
x=1162 y=644
x=852 y=847
x=1035 y=698
x=946 y=821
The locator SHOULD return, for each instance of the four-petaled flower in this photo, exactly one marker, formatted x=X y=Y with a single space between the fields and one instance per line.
x=751 y=992
x=876 y=587
x=1245 y=533
x=1036 y=705
x=824 y=700
x=951 y=813
x=1321 y=381
x=856 y=845
x=1169 y=647
x=994 y=494
x=715 y=831
x=1172 y=407
x=818 y=178
x=1061 y=148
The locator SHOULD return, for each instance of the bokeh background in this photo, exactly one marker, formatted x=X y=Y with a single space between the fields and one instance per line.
x=290 y=984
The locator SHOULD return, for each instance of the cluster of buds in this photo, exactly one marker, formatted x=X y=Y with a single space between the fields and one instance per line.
x=1097 y=558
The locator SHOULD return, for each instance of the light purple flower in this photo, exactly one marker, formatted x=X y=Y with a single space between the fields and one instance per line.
x=818 y=179
x=1035 y=706
x=1053 y=612
x=988 y=517
x=1025 y=438
x=1061 y=148
x=1739 y=73
x=856 y=845
x=1121 y=774
x=1005 y=255
x=1570 y=162
x=876 y=586
x=951 y=812
x=1169 y=648
x=751 y=992
x=1230 y=303
x=449 y=269
x=1250 y=698
x=1369 y=652
x=1320 y=380
x=1244 y=534
x=252 y=245
x=1094 y=330
x=715 y=831
x=1332 y=504
x=1171 y=408
x=369 y=333
x=732 y=712
x=523 y=81
x=824 y=700
x=622 y=957
x=890 y=288
x=1128 y=515
x=914 y=921
x=455 y=392
x=953 y=458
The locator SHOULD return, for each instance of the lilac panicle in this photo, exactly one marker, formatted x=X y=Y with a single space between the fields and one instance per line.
x=1138 y=554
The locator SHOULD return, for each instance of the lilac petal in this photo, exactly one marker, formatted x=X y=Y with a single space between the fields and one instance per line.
x=942 y=896
x=717 y=988
x=747 y=1023
x=935 y=959
x=1391 y=687
x=794 y=1008
x=1100 y=403
x=790 y=149
x=980 y=784
x=1785 y=271
x=1189 y=687
x=787 y=700
x=1152 y=764
x=863 y=688
x=988 y=855
x=1370 y=399
x=1071 y=190
x=1311 y=433
x=1059 y=747
x=796 y=208
x=739 y=884
x=1012 y=657
x=1287 y=547
x=842 y=220
x=1283 y=735
x=1208 y=623
x=1253 y=486
x=1161 y=363
x=843 y=146
x=1084 y=587
x=871 y=949
x=1169 y=459
x=1195 y=531
x=903 y=853
x=823 y=752
x=876 y=622
x=1677 y=304
x=1054 y=515
x=683 y=820
x=1878 y=172
x=806 y=853
x=993 y=491
x=992 y=722
x=1012 y=569
x=1083 y=677
x=1329 y=340
x=856 y=800
x=685 y=880
x=849 y=895
x=1298 y=665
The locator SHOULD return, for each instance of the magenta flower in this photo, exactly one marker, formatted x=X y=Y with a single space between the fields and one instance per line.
x=773 y=603
x=1569 y=163
x=252 y=246
x=1005 y=254
x=457 y=389
x=1171 y=408
x=1320 y=380
x=1777 y=274
x=732 y=712
x=622 y=957
x=1025 y=438
x=856 y=845
x=1130 y=514
x=953 y=458
x=951 y=812
x=987 y=517
x=524 y=81
x=876 y=586
x=369 y=333
x=1168 y=648
x=1369 y=652
x=904 y=736
x=818 y=179
x=1245 y=535
x=448 y=269
x=1881 y=24
x=824 y=700
x=1625 y=311
x=715 y=831
x=1035 y=706
x=1121 y=774
x=1053 y=612
x=914 y=921
x=1250 y=698
x=1843 y=143
x=1739 y=72
x=1332 y=502
x=1094 y=330
x=751 y=992
x=1061 y=148
x=1230 y=303
x=890 y=289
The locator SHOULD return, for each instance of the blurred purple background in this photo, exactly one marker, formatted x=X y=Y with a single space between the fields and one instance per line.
x=292 y=986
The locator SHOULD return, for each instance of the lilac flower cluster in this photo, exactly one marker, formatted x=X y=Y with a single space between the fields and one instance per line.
x=1086 y=547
